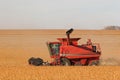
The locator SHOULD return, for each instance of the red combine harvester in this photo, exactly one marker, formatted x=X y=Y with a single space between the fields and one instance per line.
x=67 y=52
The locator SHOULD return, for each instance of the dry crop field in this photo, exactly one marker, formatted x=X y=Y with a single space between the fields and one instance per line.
x=17 y=46
x=59 y=73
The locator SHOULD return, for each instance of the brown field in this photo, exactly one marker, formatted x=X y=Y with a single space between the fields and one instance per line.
x=17 y=46
x=60 y=73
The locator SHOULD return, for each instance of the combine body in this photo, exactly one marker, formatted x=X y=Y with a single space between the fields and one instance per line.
x=68 y=52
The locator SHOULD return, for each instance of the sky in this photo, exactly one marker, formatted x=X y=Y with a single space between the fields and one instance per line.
x=59 y=14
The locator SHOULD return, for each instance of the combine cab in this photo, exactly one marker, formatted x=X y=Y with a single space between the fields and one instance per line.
x=67 y=52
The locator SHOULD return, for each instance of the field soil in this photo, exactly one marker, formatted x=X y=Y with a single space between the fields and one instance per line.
x=17 y=46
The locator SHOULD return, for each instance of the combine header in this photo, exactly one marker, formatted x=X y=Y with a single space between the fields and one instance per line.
x=67 y=52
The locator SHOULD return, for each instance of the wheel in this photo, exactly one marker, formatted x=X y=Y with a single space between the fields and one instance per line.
x=65 y=62
x=94 y=63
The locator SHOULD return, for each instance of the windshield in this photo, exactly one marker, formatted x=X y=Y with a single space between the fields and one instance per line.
x=54 y=48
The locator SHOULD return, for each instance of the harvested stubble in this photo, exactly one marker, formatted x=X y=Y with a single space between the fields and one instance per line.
x=60 y=73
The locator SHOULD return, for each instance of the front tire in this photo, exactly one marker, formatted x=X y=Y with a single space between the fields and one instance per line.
x=65 y=62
